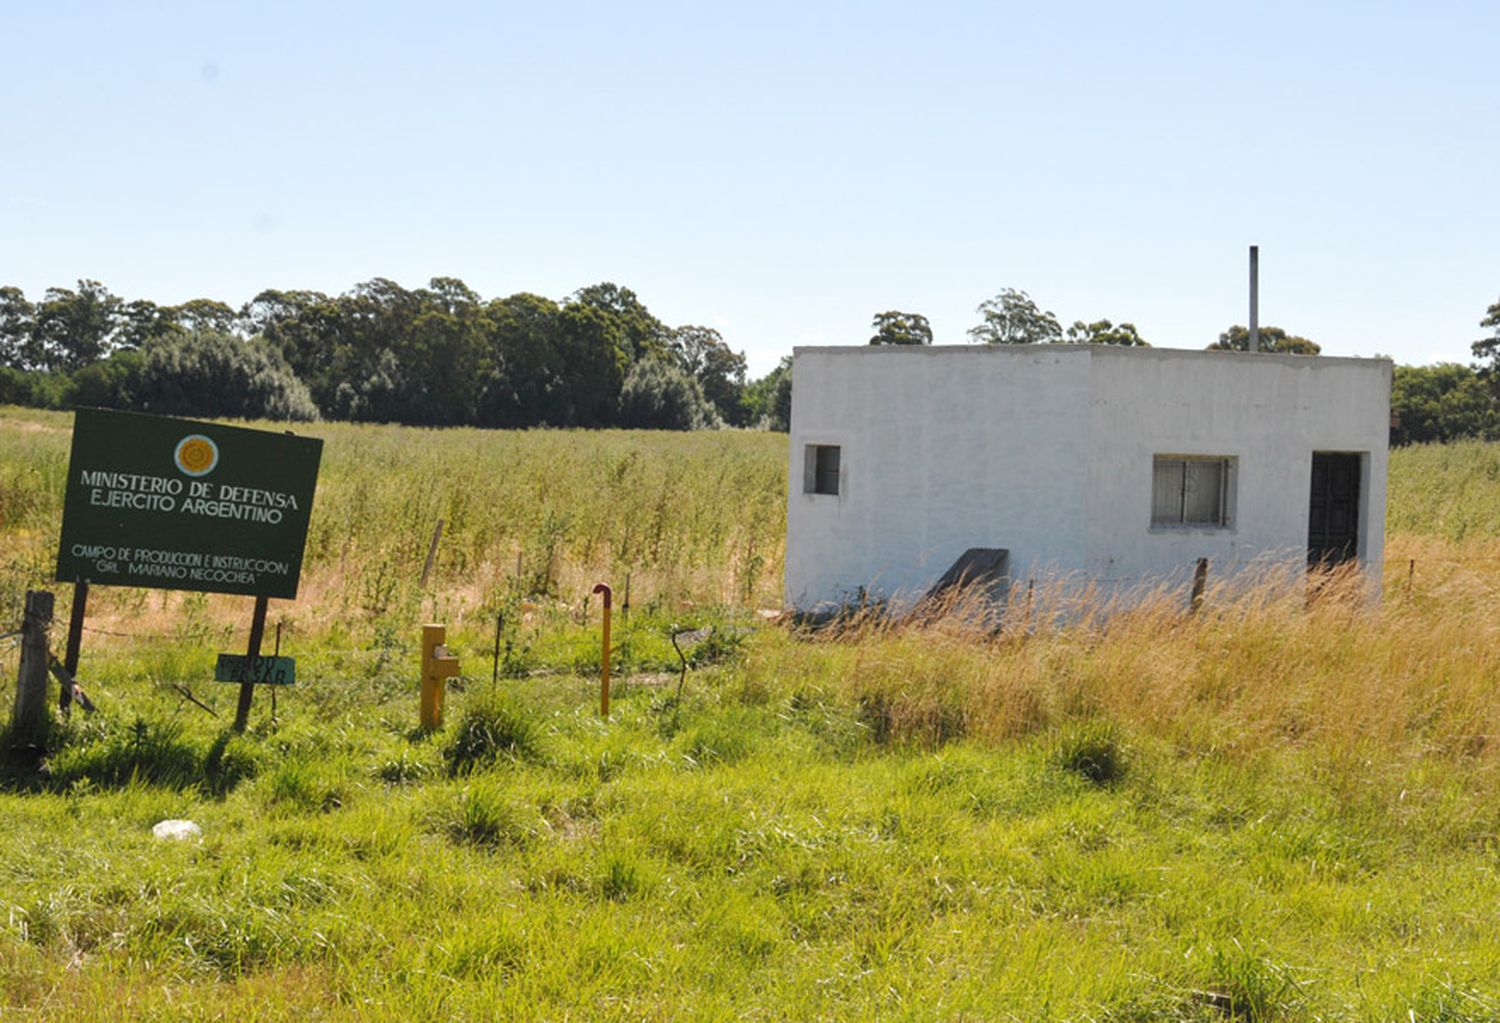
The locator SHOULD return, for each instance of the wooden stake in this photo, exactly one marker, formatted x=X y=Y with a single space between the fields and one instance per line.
x=603 y=588
x=1200 y=582
x=437 y=534
x=29 y=719
x=499 y=626
x=75 y=642
x=247 y=688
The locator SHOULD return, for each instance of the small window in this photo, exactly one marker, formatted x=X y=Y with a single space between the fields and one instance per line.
x=1190 y=491
x=821 y=471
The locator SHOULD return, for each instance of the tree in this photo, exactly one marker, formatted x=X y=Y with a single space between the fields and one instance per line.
x=142 y=320
x=1272 y=339
x=1487 y=349
x=16 y=330
x=1442 y=403
x=521 y=383
x=75 y=328
x=719 y=369
x=366 y=374
x=643 y=334
x=897 y=328
x=305 y=327
x=203 y=314
x=595 y=355
x=1012 y=318
x=445 y=351
x=768 y=401
x=1103 y=332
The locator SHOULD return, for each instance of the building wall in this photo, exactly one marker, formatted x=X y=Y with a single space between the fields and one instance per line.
x=943 y=449
x=1047 y=451
x=1269 y=413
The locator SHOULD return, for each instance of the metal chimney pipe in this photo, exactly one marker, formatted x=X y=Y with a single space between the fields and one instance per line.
x=1255 y=298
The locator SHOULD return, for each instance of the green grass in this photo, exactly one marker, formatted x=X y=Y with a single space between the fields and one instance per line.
x=803 y=870
x=1269 y=812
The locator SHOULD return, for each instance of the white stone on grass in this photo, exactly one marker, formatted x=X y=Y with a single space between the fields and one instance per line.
x=176 y=829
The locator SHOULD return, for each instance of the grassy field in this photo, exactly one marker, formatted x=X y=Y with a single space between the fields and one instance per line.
x=1270 y=811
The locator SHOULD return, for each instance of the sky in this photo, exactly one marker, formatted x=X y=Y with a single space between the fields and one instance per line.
x=778 y=171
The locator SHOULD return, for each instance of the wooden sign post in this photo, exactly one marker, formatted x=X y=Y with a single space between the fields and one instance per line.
x=247 y=687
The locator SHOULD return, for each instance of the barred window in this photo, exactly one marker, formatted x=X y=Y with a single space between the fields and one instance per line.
x=1190 y=491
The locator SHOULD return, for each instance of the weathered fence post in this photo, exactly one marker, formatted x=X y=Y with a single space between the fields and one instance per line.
x=603 y=588
x=1200 y=582
x=432 y=549
x=29 y=719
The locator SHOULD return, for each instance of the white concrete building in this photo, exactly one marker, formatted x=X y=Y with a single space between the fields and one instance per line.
x=1122 y=466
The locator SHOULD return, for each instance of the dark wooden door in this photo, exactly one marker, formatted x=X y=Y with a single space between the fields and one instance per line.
x=1333 y=513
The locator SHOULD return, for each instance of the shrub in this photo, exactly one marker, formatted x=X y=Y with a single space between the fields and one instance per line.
x=658 y=396
x=38 y=390
x=207 y=373
x=111 y=383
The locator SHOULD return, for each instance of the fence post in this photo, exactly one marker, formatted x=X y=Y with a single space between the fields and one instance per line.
x=432 y=548
x=1200 y=582
x=29 y=719
x=603 y=588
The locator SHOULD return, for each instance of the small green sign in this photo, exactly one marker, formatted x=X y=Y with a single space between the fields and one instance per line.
x=183 y=505
x=262 y=671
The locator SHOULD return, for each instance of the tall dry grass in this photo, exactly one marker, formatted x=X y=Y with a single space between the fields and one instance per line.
x=690 y=518
x=1368 y=686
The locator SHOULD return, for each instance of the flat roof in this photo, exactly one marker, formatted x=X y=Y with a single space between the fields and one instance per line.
x=1111 y=351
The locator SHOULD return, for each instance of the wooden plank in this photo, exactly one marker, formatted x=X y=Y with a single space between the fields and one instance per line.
x=70 y=684
x=980 y=567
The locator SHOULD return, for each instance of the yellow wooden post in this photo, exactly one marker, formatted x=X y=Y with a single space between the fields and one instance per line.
x=604 y=660
x=437 y=664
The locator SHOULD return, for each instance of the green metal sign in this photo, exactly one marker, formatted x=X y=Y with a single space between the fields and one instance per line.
x=262 y=671
x=183 y=505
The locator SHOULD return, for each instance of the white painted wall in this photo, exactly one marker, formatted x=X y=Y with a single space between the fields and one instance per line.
x=1048 y=451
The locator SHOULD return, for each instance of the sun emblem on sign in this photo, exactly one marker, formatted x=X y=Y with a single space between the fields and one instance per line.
x=196 y=455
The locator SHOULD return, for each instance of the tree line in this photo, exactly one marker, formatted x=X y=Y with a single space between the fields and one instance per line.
x=444 y=356
x=435 y=356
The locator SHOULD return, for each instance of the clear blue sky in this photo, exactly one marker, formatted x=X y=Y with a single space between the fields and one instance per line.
x=781 y=171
